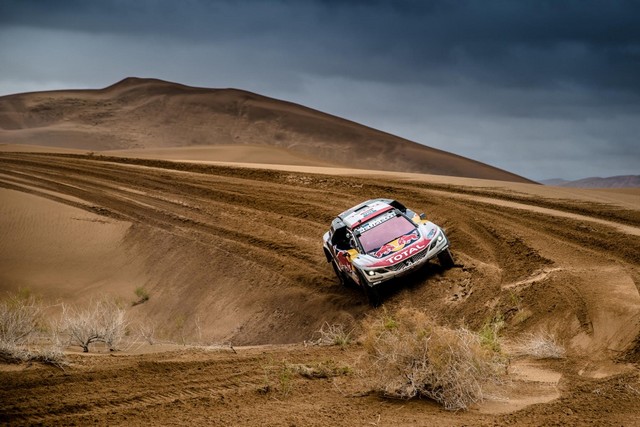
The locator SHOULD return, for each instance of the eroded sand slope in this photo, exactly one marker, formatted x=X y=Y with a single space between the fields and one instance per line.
x=233 y=254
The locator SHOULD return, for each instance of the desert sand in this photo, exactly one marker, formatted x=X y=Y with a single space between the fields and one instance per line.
x=148 y=114
x=214 y=201
x=231 y=255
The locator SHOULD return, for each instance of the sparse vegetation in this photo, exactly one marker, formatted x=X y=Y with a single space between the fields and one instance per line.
x=410 y=355
x=335 y=334
x=102 y=321
x=179 y=327
x=142 y=294
x=326 y=369
x=147 y=331
x=490 y=333
x=279 y=377
x=540 y=345
x=20 y=316
x=49 y=355
x=24 y=335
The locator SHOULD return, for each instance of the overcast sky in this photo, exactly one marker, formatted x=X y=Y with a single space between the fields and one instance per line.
x=542 y=88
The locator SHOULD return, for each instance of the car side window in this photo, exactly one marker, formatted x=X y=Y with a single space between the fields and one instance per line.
x=352 y=241
x=340 y=239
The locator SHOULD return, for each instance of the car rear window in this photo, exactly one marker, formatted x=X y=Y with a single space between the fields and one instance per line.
x=372 y=238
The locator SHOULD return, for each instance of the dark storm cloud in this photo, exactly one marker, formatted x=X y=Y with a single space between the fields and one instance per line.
x=486 y=79
x=514 y=43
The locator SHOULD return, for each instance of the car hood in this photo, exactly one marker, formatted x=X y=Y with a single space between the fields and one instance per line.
x=401 y=248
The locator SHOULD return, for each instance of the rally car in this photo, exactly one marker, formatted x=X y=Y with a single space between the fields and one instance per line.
x=379 y=240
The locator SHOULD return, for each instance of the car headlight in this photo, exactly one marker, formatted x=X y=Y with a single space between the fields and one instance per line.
x=374 y=272
x=437 y=240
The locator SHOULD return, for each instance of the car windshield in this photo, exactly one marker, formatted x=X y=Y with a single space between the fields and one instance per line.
x=376 y=233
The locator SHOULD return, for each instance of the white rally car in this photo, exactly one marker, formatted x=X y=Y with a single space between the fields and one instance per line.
x=379 y=240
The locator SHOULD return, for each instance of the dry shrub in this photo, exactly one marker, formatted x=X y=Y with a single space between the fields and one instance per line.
x=410 y=355
x=335 y=334
x=147 y=331
x=24 y=333
x=20 y=317
x=540 y=345
x=490 y=333
x=51 y=354
x=102 y=321
x=326 y=369
x=280 y=377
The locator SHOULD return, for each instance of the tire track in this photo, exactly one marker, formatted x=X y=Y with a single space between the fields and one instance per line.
x=91 y=393
x=271 y=223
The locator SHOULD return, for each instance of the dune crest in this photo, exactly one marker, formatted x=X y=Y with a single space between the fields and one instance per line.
x=136 y=114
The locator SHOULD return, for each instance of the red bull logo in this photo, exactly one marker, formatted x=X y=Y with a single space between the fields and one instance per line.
x=408 y=238
x=343 y=260
x=397 y=244
x=385 y=250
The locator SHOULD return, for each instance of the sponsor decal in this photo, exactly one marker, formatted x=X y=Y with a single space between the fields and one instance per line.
x=343 y=260
x=408 y=238
x=367 y=212
x=431 y=233
x=375 y=222
x=384 y=250
x=405 y=253
x=397 y=244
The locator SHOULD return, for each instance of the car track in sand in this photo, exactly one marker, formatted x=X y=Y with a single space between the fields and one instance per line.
x=236 y=252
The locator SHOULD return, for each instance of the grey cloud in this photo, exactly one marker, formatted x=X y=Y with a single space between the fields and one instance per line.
x=504 y=82
x=525 y=43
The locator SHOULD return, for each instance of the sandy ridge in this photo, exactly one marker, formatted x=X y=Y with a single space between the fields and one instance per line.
x=226 y=251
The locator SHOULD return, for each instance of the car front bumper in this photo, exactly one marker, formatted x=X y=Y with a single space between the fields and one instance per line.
x=406 y=266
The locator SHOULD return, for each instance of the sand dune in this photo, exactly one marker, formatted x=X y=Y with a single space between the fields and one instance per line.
x=215 y=202
x=620 y=181
x=137 y=114
x=255 y=154
x=58 y=250
x=232 y=254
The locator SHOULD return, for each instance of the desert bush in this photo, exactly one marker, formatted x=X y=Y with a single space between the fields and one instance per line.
x=142 y=294
x=540 y=345
x=19 y=319
x=24 y=333
x=50 y=354
x=410 y=355
x=279 y=377
x=103 y=321
x=147 y=331
x=490 y=333
x=326 y=369
x=335 y=334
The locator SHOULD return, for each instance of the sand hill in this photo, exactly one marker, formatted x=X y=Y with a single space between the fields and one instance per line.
x=620 y=181
x=230 y=254
x=152 y=116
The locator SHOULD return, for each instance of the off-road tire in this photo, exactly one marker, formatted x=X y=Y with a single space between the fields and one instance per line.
x=372 y=292
x=446 y=259
x=343 y=278
x=373 y=295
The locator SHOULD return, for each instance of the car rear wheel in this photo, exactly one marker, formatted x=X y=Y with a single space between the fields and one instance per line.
x=446 y=259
